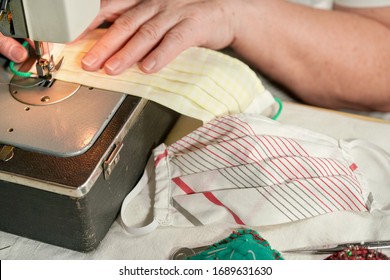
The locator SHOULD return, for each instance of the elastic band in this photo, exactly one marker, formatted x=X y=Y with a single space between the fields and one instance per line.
x=366 y=144
x=142 y=183
x=279 y=101
x=20 y=73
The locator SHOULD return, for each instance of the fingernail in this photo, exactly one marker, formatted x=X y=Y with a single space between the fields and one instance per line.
x=89 y=59
x=17 y=53
x=149 y=64
x=112 y=65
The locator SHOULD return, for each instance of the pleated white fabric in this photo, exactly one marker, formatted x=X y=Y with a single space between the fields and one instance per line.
x=199 y=83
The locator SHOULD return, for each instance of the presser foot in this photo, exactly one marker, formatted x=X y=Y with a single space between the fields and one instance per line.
x=41 y=89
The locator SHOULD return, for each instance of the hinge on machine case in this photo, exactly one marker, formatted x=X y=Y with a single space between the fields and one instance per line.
x=6 y=153
x=112 y=160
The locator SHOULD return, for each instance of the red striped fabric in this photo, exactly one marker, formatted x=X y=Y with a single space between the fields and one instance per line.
x=278 y=170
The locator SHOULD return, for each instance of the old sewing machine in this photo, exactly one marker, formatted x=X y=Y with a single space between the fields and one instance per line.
x=69 y=154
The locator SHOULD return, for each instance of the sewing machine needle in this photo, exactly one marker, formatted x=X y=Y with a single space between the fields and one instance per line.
x=39 y=49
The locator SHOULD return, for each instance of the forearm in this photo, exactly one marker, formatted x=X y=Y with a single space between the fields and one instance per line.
x=329 y=58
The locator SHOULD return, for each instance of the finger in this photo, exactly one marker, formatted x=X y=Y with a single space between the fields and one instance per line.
x=174 y=42
x=144 y=40
x=116 y=36
x=13 y=50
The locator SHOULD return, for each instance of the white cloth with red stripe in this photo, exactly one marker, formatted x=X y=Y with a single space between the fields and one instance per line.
x=253 y=171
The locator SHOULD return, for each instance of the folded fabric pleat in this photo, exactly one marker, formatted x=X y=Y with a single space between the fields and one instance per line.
x=199 y=83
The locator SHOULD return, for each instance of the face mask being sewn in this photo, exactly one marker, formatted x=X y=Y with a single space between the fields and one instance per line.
x=250 y=170
x=200 y=83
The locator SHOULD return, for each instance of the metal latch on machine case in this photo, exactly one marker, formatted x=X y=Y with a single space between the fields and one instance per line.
x=6 y=153
x=112 y=160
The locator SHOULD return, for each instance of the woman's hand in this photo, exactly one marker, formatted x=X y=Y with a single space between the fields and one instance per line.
x=154 y=32
x=11 y=49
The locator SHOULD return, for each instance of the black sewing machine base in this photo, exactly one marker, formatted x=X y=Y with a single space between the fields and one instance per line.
x=81 y=196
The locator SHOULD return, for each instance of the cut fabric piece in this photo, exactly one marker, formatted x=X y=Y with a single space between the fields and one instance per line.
x=250 y=170
x=199 y=83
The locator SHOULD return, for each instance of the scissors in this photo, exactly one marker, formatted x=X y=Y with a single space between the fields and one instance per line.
x=184 y=252
x=329 y=249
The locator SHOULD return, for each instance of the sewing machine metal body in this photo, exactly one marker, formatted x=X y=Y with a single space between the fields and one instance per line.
x=66 y=163
x=57 y=21
x=71 y=201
